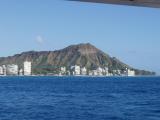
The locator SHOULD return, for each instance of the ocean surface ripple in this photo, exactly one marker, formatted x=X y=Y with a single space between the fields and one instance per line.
x=79 y=98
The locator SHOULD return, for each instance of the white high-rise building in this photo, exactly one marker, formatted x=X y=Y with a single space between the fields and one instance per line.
x=99 y=71
x=83 y=71
x=4 y=69
x=106 y=71
x=27 y=68
x=1 y=70
x=76 y=70
x=12 y=69
x=63 y=70
x=130 y=72
x=21 y=72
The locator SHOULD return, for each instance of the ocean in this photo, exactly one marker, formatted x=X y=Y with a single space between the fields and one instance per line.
x=79 y=98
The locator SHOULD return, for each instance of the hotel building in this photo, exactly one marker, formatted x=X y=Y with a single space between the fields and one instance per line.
x=27 y=68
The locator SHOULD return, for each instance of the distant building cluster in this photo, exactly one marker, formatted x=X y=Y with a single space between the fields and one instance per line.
x=83 y=71
x=13 y=69
x=75 y=70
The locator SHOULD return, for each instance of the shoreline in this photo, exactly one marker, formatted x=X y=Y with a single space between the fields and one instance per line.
x=79 y=76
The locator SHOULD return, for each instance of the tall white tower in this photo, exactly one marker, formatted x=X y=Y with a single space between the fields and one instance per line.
x=1 y=70
x=27 y=68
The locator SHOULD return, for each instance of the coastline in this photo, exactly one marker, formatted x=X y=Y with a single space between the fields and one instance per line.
x=85 y=76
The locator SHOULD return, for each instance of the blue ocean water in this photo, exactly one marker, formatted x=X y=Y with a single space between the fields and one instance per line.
x=79 y=98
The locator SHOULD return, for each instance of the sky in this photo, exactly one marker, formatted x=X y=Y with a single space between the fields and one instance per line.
x=131 y=34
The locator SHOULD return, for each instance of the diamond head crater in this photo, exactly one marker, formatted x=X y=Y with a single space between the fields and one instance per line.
x=80 y=59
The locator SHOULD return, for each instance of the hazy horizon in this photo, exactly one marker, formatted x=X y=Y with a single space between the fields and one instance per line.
x=128 y=33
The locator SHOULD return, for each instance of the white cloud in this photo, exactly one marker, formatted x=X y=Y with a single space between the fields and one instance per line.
x=39 y=39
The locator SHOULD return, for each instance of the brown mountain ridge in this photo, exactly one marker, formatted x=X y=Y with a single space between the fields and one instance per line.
x=84 y=55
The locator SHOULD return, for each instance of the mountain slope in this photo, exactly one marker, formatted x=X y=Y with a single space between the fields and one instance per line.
x=82 y=54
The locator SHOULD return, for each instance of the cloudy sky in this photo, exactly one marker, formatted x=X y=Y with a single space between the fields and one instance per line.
x=131 y=34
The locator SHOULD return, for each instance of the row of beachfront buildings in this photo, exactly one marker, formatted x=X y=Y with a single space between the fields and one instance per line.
x=77 y=70
x=13 y=69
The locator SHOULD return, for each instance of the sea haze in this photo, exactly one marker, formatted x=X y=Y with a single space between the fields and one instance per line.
x=79 y=98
